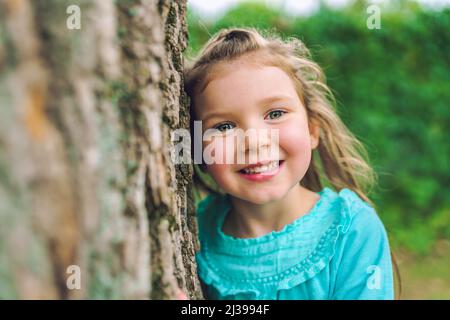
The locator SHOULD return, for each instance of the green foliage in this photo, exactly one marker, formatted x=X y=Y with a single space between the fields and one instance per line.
x=393 y=91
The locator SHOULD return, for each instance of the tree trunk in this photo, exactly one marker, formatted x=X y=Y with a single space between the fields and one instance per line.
x=91 y=204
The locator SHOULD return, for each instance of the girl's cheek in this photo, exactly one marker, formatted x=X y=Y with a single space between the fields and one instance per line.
x=296 y=143
x=295 y=138
x=220 y=174
x=218 y=151
x=217 y=170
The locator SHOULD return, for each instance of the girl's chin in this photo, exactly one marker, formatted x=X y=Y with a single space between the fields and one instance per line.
x=260 y=197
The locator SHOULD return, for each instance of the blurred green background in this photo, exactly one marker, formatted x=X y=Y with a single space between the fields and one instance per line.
x=393 y=91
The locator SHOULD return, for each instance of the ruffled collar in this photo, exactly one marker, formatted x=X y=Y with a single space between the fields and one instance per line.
x=277 y=260
x=242 y=243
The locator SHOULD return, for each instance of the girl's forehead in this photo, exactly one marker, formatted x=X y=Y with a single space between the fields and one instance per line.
x=249 y=86
x=249 y=79
x=252 y=60
x=225 y=68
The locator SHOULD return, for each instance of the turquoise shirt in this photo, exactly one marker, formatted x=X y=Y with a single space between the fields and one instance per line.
x=338 y=250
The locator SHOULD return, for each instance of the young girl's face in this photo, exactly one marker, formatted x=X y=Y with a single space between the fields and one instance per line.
x=246 y=96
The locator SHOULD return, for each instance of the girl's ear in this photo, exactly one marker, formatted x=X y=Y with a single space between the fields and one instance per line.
x=314 y=132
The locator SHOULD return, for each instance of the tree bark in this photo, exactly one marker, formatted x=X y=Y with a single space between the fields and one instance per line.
x=86 y=177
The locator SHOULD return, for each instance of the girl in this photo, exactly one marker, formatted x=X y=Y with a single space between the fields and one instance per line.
x=269 y=229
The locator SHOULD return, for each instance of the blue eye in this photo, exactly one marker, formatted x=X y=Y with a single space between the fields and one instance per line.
x=276 y=112
x=222 y=127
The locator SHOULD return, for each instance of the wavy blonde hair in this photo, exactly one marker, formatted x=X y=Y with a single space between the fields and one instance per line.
x=343 y=159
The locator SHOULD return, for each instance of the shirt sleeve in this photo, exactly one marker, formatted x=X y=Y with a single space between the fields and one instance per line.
x=362 y=266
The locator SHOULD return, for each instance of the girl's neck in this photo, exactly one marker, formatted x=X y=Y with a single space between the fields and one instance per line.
x=249 y=220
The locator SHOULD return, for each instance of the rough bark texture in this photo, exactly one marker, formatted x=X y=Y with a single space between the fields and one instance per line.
x=86 y=176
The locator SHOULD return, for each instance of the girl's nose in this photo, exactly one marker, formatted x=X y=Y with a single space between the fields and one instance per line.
x=255 y=142
x=258 y=139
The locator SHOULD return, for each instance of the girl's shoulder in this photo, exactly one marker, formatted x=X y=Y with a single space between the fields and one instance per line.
x=361 y=215
x=361 y=263
x=359 y=219
x=208 y=211
x=350 y=201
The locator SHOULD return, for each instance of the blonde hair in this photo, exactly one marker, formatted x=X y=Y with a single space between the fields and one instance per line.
x=343 y=159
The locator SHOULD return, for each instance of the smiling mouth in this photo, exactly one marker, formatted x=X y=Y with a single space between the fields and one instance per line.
x=262 y=168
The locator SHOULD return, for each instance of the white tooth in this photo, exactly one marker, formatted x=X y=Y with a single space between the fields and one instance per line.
x=261 y=169
x=272 y=165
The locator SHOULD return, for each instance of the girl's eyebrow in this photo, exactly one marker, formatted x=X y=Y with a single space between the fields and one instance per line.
x=216 y=115
x=274 y=98
x=261 y=102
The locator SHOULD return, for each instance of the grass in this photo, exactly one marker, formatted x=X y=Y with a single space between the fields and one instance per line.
x=426 y=277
